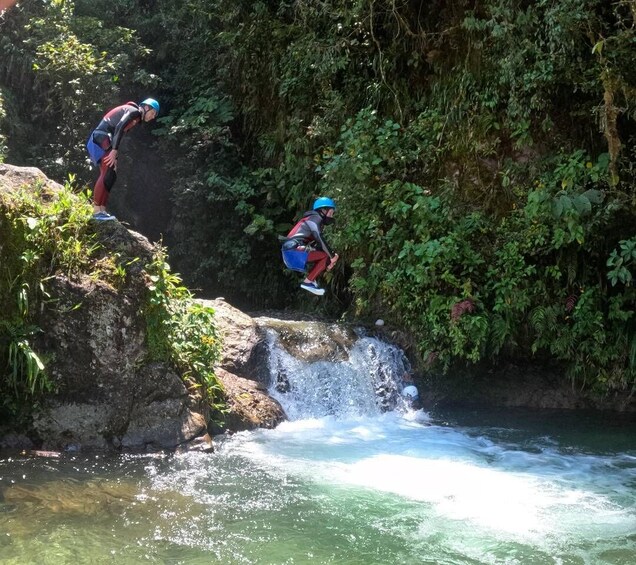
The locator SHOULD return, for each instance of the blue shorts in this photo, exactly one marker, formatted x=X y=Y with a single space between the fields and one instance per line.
x=95 y=151
x=295 y=259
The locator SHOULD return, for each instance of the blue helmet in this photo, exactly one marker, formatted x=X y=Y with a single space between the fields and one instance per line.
x=152 y=103
x=324 y=202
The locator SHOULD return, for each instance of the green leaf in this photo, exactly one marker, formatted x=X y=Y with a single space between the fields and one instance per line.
x=593 y=195
x=598 y=47
x=582 y=204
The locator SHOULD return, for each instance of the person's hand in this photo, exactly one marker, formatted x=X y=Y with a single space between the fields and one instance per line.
x=333 y=262
x=110 y=160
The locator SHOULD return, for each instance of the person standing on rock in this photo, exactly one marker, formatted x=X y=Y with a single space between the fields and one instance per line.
x=103 y=147
x=305 y=244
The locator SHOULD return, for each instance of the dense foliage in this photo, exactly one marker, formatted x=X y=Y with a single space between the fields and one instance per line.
x=481 y=154
x=38 y=236
x=183 y=332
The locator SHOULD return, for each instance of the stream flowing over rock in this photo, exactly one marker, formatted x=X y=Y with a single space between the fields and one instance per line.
x=244 y=367
x=109 y=395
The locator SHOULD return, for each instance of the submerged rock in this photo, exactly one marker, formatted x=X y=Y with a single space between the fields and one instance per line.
x=36 y=507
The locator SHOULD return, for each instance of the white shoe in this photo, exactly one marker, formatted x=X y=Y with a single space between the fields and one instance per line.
x=103 y=217
x=313 y=288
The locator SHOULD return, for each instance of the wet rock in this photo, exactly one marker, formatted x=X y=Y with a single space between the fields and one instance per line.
x=516 y=385
x=312 y=341
x=15 y=441
x=244 y=345
x=65 y=424
x=169 y=427
x=249 y=404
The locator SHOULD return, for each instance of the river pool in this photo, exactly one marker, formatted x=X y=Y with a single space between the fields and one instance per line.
x=452 y=487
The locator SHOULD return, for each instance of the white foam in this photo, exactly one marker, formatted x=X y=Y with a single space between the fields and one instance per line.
x=516 y=495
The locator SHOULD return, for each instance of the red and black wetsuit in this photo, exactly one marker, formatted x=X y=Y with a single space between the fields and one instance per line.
x=108 y=135
x=308 y=231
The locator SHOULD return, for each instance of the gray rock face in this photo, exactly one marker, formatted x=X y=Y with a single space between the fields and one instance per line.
x=109 y=395
x=93 y=342
x=243 y=370
x=530 y=386
x=244 y=349
x=12 y=177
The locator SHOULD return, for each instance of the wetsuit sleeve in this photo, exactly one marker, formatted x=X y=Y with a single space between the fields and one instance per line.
x=130 y=115
x=315 y=232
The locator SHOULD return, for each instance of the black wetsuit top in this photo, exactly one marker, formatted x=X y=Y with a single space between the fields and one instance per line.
x=309 y=230
x=116 y=122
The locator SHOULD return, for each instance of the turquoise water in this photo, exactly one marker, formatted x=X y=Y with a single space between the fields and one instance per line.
x=451 y=487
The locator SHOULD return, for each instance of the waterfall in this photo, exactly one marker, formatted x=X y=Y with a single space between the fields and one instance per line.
x=352 y=477
x=325 y=370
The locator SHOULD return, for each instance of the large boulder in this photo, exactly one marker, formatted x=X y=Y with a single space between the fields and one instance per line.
x=243 y=370
x=108 y=394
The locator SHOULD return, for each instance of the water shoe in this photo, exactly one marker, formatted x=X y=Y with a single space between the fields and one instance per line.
x=103 y=217
x=313 y=288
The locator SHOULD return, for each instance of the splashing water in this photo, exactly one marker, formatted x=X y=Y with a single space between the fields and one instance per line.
x=545 y=501
x=343 y=481
x=365 y=384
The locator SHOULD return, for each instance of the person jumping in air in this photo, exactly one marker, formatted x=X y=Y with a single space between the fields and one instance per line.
x=103 y=146
x=305 y=245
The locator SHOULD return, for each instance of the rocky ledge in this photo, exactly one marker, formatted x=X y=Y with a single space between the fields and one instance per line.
x=108 y=395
